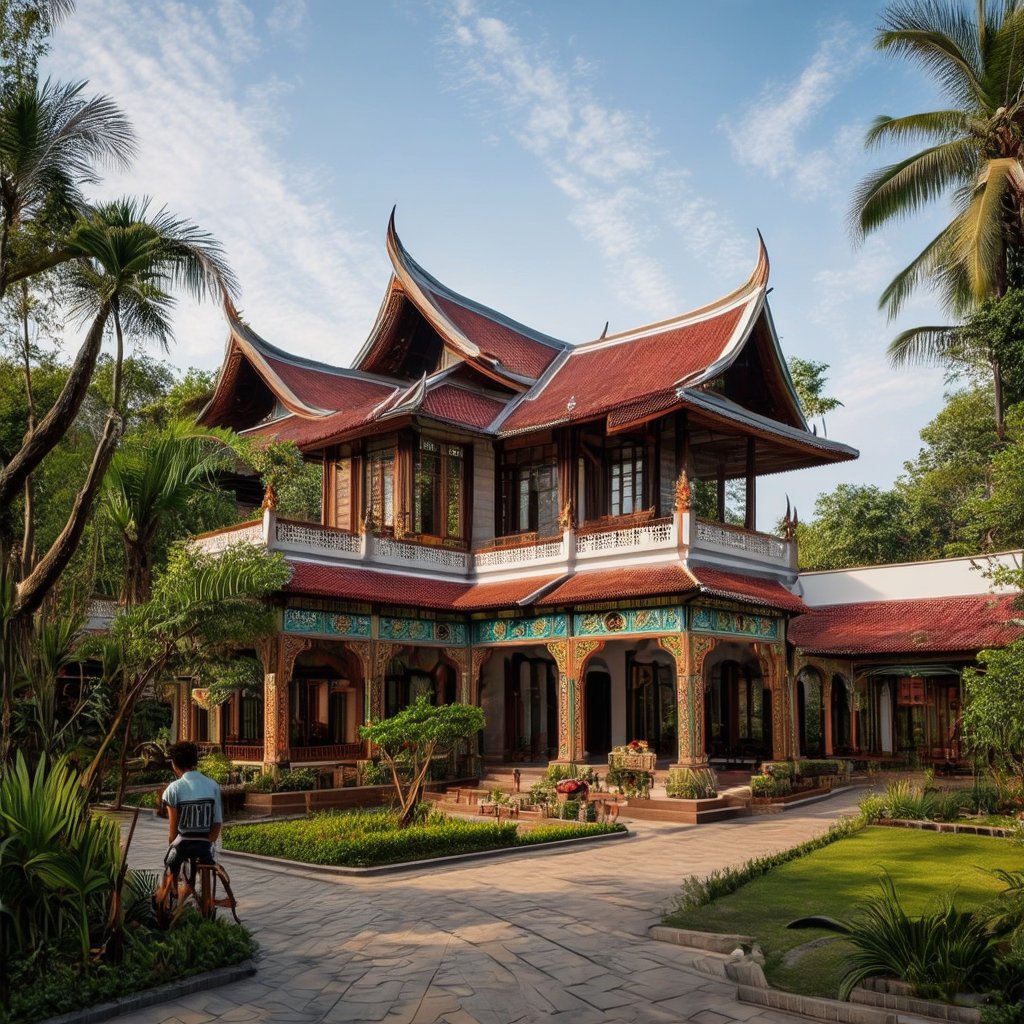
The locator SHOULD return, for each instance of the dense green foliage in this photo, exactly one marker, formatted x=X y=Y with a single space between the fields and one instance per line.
x=370 y=838
x=150 y=959
x=691 y=783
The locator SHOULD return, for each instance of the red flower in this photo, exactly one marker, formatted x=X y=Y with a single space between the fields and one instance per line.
x=572 y=787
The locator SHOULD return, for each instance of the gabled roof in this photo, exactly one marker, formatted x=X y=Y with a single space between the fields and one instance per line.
x=305 y=388
x=927 y=625
x=499 y=347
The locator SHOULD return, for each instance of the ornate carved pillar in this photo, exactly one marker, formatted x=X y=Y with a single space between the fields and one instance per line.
x=773 y=665
x=700 y=647
x=478 y=658
x=460 y=656
x=374 y=656
x=687 y=735
x=184 y=689
x=559 y=651
x=582 y=651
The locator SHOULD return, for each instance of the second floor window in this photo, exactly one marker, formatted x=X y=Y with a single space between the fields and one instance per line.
x=437 y=489
x=530 y=491
x=380 y=489
x=626 y=475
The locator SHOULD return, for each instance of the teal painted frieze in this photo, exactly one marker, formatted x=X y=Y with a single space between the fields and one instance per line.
x=719 y=620
x=340 y=624
x=540 y=627
x=421 y=631
x=631 y=620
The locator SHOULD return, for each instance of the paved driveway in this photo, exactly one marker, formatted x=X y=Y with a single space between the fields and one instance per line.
x=523 y=938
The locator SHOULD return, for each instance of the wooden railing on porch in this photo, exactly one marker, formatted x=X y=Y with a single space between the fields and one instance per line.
x=329 y=752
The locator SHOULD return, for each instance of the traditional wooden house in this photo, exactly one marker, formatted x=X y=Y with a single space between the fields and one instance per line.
x=513 y=521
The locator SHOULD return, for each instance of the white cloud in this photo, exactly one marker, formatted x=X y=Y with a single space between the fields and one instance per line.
x=769 y=134
x=604 y=160
x=288 y=20
x=307 y=284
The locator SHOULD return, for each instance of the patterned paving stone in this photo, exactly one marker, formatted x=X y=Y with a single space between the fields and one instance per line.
x=558 y=937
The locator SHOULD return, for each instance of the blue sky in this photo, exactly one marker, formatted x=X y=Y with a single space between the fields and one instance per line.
x=566 y=163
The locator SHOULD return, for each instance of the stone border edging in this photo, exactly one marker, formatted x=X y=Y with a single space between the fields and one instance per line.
x=752 y=987
x=954 y=827
x=282 y=863
x=161 y=994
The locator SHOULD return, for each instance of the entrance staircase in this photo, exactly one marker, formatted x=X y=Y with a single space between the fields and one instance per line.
x=466 y=799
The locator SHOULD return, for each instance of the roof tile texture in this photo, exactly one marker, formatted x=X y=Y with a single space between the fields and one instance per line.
x=599 y=378
x=917 y=626
x=747 y=589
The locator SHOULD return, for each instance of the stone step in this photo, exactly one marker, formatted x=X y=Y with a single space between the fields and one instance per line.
x=640 y=811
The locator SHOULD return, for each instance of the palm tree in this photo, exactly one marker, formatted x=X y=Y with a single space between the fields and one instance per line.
x=974 y=154
x=146 y=486
x=128 y=261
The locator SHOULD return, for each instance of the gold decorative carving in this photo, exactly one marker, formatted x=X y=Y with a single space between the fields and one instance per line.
x=291 y=648
x=567 y=517
x=582 y=650
x=559 y=651
x=477 y=661
x=673 y=643
x=684 y=494
x=701 y=646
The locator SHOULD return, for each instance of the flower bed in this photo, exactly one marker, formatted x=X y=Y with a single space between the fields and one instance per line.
x=370 y=838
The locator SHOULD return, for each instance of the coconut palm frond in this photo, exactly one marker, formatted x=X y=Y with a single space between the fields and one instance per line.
x=943 y=125
x=923 y=345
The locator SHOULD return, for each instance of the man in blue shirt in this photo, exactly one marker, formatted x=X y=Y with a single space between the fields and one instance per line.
x=194 y=815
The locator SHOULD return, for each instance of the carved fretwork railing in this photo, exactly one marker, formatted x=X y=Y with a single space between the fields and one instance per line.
x=244 y=751
x=760 y=546
x=329 y=752
x=641 y=536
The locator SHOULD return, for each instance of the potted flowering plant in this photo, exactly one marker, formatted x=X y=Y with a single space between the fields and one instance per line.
x=575 y=789
x=635 y=755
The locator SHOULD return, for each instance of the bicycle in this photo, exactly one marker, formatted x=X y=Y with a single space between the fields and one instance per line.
x=196 y=884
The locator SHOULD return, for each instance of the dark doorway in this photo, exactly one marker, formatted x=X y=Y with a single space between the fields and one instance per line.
x=651 y=705
x=598 y=698
x=531 y=708
x=738 y=712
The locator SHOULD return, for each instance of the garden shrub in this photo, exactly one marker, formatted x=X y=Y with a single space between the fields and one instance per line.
x=779 y=769
x=872 y=807
x=691 y=783
x=631 y=782
x=766 y=786
x=369 y=838
x=217 y=766
x=151 y=958
x=373 y=773
x=150 y=799
x=826 y=767
x=297 y=780
x=905 y=801
x=261 y=783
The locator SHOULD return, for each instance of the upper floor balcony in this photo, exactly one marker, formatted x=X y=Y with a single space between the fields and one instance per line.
x=610 y=542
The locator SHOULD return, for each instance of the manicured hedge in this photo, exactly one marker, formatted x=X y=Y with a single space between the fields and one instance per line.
x=369 y=839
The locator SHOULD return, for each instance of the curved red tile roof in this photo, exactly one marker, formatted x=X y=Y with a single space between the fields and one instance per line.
x=372 y=587
x=325 y=390
x=747 y=589
x=917 y=626
x=613 y=584
x=515 y=351
x=595 y=379
x=457 y=405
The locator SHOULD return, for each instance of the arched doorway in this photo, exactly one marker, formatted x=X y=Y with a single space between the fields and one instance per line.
x=651 y=712
x=810 y=709
x=423 y=674
x=324 y=699
x=842 y=742
x=738 y=711
x=531 y=708
x=597 y=739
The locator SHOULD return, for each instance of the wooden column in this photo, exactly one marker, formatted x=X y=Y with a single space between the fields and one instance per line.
x=581 y=651
x=750 y=512
x=721 y=493
x=478 y=657
x=185 y=710
x=565 y=440
x=689 y=725
x=773 y=666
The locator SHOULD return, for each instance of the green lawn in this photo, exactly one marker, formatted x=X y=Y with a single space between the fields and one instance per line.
x=832 y=880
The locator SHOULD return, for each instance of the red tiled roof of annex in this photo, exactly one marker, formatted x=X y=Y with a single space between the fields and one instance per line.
x=595 y=379
x=748 y=589
x=914 y=626
x=515 y=351
x=394 y=588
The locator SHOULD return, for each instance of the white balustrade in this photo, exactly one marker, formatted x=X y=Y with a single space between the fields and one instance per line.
x=310 y=535
x=252 y=533
x=757 y=545
x=641 y=538
x=520 y=554
x=426 y=555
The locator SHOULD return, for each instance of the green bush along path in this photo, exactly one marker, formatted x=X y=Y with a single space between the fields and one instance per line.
x=831 y=881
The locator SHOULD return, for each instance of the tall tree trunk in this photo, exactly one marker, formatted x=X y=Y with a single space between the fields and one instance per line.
x=28 y=530
x=122 y=774
x=46 y=435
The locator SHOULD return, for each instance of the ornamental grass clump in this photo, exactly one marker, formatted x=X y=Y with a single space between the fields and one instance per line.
x=941 y=953
x=691 y=784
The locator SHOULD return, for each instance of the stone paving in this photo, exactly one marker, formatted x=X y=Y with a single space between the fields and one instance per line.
x=525 y=938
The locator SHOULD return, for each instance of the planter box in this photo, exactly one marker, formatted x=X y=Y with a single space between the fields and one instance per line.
x=639 y=762
x=327 y=799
